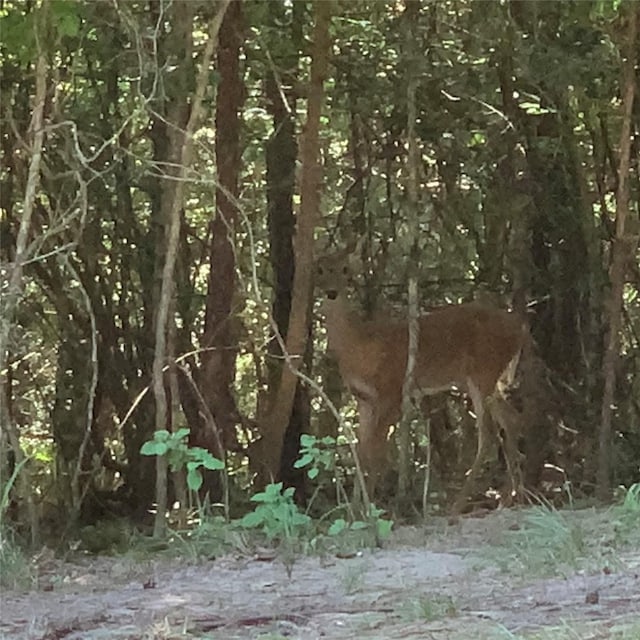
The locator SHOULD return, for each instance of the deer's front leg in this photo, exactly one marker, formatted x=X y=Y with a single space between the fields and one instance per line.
x=484 y=443
x=372 y=446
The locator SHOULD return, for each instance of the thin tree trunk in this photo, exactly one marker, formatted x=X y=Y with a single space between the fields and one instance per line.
x=178 y=475
x=618 y=263
x=14 y=290
x=218 y=361
x=269 y=450
x=404 y=439
x=280 y=153
x=173 y=237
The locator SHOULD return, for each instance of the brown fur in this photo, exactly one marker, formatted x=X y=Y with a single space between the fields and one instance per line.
x=469 y=346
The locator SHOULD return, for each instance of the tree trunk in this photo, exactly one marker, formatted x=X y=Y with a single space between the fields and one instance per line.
x=220 y=339
x=268 y=453
x=182 y=150
x=281 y=151
x=405 y=461
x=618 y=263
x=13 y=293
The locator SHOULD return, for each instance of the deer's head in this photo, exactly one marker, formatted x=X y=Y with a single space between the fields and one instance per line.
x=333 y=273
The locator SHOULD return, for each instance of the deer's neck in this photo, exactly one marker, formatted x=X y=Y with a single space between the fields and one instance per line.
x=342 y=324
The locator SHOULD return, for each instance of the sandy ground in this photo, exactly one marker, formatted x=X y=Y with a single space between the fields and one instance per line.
x=438 y=581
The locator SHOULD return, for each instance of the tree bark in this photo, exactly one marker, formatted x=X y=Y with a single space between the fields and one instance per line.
x=618 y=262
x=412 y=12
x=184 y=154
x=15 y=285
x=220 y=340
x=280 y=153
x=269 y=451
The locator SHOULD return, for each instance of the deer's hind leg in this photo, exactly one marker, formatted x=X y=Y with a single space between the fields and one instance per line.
x=507 y=420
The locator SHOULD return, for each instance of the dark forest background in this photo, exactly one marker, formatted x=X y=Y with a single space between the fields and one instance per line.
x=159 y=158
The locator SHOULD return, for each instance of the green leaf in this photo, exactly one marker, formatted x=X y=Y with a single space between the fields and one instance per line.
x=148 y=449
x=477 y=138
x=65 y=17
x=534 y=108
x=313 y=473
x=9 y=485
x=358 y=525
x=298 y=518
x=337 y=526
x=181 y=433
x=306 y=459
x=307 y=440
x=631 y=500
x=375 y=512
x=274 y=490
x=153 y=448
x=18 y=35
x=252 y=519
x=384 y=528
x=161 y=448
x=213 y=463
x=161 y=435
x=194 y=479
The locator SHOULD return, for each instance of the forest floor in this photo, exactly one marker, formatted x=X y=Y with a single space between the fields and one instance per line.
x=511 y=574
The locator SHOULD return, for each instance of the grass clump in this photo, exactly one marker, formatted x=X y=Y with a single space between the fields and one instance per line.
x=547 y=542
x=428 y=607
x=626 y=517
x=16 y=571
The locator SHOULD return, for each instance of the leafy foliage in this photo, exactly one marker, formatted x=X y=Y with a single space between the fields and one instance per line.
x=5 y=492
x=181 y=456
x=381 y=526
x=316 y=453
x=276 y=514
x=518 y=132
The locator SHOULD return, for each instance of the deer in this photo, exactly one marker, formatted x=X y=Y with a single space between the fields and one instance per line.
x=472 y=346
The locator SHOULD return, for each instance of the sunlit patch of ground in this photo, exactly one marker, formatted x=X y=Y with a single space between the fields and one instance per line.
x=512 y=574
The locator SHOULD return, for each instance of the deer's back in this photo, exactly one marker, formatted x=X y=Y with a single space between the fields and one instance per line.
x=457 y=343
x=467 y=341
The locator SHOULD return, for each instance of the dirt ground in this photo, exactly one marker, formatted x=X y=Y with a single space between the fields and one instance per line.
x=438 y=581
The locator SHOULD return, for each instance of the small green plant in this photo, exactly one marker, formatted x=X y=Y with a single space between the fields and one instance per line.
x=631 y=500
x=6 y=490
x=107 y=537
x=15 y=568
x=429 y=607
x=380 y=526
x=547 y=542
x=276 y=514
x=317 y=453
x=320 y=456
x=625 y=516
x=180 y=455
x=353 y=575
